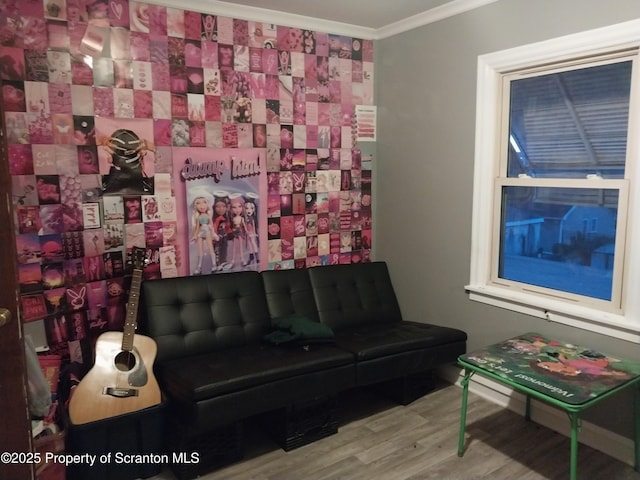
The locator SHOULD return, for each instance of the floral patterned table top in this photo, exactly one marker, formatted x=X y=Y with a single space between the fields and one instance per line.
x=570 y=373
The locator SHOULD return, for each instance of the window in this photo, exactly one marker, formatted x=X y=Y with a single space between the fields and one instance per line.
x=555 y=168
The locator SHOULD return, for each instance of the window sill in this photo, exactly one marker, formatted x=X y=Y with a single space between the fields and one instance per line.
x=613 y=325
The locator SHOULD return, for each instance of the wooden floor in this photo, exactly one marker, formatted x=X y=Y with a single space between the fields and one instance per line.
x=378 y=439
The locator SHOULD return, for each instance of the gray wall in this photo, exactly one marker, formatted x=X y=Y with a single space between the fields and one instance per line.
x=426 y=96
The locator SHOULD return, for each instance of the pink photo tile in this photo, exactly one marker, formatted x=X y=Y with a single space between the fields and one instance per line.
x=119 y=13
x=162 y=132
x=13 y=96
x=139 y=43
x=175 y=22
x=157 y=20
x=13 y=66
x=192 y=25
x=143 y=104
x=161 y=77
x=193 y=53
x=209 y=54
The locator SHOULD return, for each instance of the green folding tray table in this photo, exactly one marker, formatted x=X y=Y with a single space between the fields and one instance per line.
x=572 y=378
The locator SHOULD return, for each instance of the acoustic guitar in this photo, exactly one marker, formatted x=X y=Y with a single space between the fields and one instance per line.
x=121 y=380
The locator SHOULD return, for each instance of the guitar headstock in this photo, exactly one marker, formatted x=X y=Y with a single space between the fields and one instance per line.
x=137 y=258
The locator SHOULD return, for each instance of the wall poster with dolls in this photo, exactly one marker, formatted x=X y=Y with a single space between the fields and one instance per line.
x=222 y=201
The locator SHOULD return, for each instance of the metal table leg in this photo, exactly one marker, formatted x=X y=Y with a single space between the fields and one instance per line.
x=463 y=413
x=575 y=426
x=636 y=426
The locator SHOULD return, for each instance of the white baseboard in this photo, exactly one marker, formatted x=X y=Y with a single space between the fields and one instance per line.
x=617 y=446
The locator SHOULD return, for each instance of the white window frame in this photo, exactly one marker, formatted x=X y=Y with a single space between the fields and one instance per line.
x=621 y=323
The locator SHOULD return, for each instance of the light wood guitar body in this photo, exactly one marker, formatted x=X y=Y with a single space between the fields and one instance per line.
x=121 y=380
x=110 y=389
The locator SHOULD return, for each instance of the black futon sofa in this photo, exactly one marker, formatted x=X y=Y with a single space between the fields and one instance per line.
x=216 y=368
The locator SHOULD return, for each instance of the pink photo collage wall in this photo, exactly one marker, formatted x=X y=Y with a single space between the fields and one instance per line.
x=210 y=144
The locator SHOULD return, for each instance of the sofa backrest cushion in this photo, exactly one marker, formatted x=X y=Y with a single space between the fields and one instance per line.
x=355 y=294
x=289 y=292
x=194 y=315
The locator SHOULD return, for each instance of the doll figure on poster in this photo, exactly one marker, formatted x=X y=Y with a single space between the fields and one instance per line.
x=251 y=222
x=203 y=233
x=237 y=229
x=220 y=227
x=127 y=152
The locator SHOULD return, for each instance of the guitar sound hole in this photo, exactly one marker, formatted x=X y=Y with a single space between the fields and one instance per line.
x=125 y=361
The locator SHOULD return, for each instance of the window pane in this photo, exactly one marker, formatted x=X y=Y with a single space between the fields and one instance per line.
x=559 y=238
x=570 y=124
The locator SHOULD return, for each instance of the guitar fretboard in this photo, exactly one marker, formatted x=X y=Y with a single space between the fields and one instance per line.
x=132 y=311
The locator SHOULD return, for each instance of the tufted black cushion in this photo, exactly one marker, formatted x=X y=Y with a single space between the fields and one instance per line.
x=223 y=372
x=289 y=292
x=258 y=396
x=195 y=315
x=372 y=341
x=358 y=302
x=355 y=294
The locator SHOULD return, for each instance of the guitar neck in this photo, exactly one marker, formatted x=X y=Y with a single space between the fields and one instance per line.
x=132 y=311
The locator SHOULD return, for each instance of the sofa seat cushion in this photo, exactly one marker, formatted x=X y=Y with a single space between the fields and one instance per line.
x=221 y=372
x=368 y=342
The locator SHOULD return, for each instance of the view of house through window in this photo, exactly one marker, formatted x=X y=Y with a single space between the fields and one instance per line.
x=563 y=246
x=560 y=187
x=556 y=208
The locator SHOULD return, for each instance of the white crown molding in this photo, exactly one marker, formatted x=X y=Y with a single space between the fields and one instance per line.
x=264 y=15
x=447 y=10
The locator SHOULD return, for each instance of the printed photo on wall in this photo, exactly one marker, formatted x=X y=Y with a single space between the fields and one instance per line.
x=222 y=200
x=126 y=153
